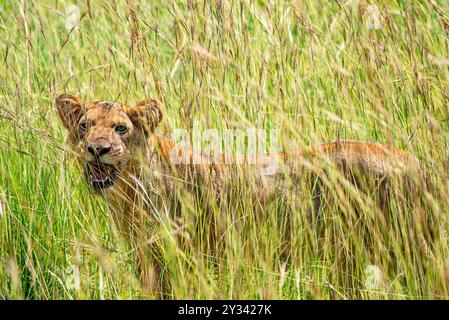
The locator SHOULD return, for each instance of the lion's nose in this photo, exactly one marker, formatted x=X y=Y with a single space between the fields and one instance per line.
x=98 y=150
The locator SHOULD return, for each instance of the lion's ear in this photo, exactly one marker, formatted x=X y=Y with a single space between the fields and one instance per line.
x=70 y=110
x=146 y=115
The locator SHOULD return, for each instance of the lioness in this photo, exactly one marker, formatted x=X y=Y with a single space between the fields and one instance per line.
x=114 y=141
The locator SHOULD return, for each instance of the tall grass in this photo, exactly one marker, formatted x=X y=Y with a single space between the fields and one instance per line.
x=316 y=70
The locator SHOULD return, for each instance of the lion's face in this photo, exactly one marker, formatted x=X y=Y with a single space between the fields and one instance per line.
x=107 y=134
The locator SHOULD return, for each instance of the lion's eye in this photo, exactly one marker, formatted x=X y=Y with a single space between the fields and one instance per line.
x=85 y=125
x=121 y=129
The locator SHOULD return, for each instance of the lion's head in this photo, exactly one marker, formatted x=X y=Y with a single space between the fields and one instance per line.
x=107 y=135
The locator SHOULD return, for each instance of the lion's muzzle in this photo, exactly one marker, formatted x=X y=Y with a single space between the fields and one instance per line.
x=101 y=175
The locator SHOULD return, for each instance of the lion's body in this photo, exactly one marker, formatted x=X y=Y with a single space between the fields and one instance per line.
x=270 y=171
x=116 y=143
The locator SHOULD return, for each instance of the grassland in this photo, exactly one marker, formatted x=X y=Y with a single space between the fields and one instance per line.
x=316 y=70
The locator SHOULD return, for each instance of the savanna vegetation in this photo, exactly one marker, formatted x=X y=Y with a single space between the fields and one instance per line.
x=316 y=71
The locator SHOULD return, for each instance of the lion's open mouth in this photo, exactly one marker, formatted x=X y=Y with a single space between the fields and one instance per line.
x=101 y=175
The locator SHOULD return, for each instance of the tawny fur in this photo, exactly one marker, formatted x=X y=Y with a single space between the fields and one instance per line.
x=140 y=148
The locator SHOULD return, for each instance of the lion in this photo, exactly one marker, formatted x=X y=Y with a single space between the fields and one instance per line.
x=113 y=142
